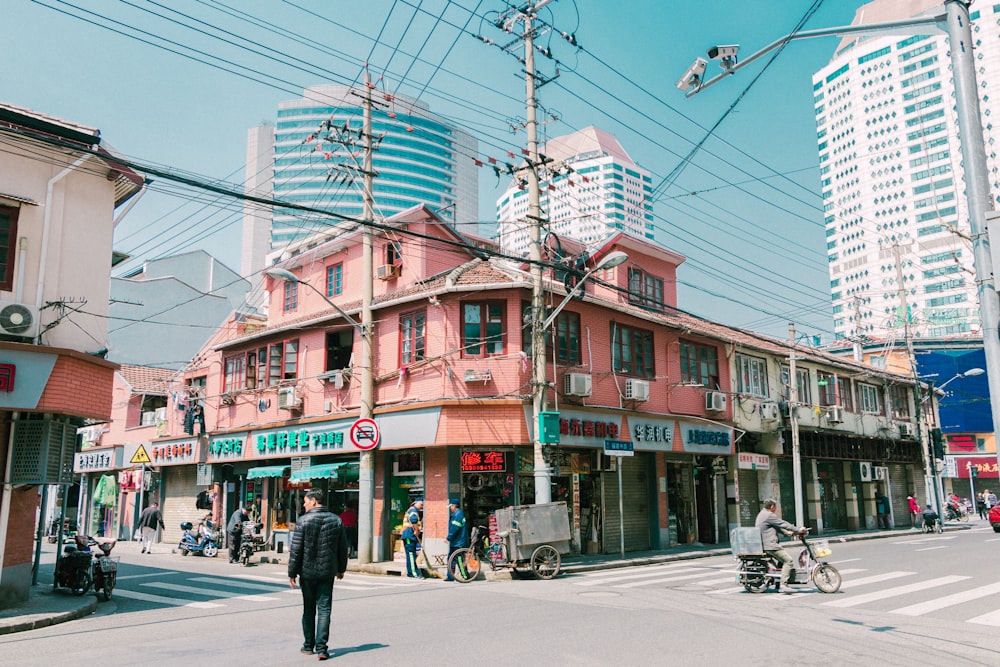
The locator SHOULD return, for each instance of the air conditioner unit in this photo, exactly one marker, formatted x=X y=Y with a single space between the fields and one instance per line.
x=288 y=398
x=387 y=271
x=835 y=414
x=636 y=390
x=715 y=401
x=769 y=412
x=161 y=414
x=865 y=472
x=18 y=319
x=577 y=384
x=905 y=430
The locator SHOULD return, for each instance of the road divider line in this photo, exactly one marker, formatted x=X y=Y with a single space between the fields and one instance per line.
x=893 y=592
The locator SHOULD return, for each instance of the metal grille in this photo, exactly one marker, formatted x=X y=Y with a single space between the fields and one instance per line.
x=42 y=452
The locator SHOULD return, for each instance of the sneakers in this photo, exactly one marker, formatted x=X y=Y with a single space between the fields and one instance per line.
x=323 y=656
x=143 y=550
x=308 y=650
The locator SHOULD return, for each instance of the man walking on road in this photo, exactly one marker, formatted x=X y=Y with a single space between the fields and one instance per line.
x=768 y=523
x=148 y=521
x=235 y=531
x=317 y=555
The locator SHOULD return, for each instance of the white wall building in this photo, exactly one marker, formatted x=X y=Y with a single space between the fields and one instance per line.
x=892 y=178
x=605 y=192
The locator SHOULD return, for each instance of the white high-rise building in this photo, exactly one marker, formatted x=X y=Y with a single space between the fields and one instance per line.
x=420 y=159
x=602 y=193
x=893 y=185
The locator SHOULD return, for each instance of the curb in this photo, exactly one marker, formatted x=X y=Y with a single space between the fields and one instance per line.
x=42 y=620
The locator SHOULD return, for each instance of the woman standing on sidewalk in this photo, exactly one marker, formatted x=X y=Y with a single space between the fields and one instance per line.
x=916 y=516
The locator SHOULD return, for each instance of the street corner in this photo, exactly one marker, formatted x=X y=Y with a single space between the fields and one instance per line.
x=45 y=607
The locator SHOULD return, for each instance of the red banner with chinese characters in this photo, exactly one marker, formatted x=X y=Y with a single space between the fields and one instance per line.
x=985 y=465
x=491 y=461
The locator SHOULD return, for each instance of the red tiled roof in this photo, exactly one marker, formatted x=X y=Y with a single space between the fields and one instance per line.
x=148 y=380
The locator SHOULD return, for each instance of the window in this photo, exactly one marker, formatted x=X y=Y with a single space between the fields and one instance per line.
x=235 y=377
x=751 y=374
x=827 y=384
x=8 y=239
x=644 y=289
x=483 y=329
x=566 y=329
x=335 y=280
x=196 y=388
x=802 y=385
x=900 y=402
x=291 y=360
x=412 y=330
x=845 y=392
x=339 y=348
x=394 y=253
x=631 y=351
x=868 y=397
x=699 y=364
x=291 y=301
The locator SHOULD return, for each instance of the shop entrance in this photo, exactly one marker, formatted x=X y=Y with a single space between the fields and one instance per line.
x=832 y=503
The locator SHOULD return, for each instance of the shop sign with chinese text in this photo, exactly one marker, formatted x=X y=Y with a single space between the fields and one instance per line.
x=484 y=461
x=95 y=460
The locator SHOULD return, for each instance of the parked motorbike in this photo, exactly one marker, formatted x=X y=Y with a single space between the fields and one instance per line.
x=250 y=540
x=758 y=571
x=202 y=542
x=79 y=568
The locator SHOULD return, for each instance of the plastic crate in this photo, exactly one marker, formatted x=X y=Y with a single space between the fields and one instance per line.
x=746 y=542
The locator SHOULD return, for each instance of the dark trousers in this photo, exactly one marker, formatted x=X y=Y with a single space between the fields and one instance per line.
x=317 y=598
x=410 y=552
x=451 y=550
x=235 y=539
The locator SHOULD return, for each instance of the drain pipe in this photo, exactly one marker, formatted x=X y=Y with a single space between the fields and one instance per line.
x=46 y=229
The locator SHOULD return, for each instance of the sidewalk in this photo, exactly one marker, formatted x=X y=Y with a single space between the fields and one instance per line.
x=47 y=607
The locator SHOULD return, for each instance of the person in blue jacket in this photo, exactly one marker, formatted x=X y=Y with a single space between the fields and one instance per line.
x=458 y=534
x=410 y=542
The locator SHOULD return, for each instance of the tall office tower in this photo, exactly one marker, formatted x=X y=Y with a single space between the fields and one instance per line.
x=602 y=192
x=893 y=185
x=421 y=159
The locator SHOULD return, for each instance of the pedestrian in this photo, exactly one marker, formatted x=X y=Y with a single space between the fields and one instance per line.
x=768 y=523
x=458 y=534
x=916 y=517
x=350 y=520
x=981 y=505
x=318 y=554
x=410 y=546
x=235 y=531
x=149 y=519
x=882 y=509
x=413 y=516
x=990 y=498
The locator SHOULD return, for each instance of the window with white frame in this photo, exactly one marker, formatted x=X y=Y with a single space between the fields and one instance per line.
x=869 y=398
x=751 y=375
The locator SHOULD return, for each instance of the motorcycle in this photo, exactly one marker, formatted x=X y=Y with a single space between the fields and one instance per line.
x=953 y=512
x=758 y=571
x=79 y=568
x=250 y=540
x=204 y=542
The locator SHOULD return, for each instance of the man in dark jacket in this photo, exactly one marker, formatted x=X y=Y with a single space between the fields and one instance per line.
x=768 y=523
x=318 y=553
x=148 y=521
x=235 y=530
x=458 y=535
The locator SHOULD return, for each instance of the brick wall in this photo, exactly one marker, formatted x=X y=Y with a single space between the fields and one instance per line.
x=79 y=387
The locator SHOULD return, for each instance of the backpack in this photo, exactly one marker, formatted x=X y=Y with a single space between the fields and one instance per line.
x=202 y=502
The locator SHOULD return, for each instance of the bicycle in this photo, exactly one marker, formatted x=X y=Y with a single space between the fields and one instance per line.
x=466 y=563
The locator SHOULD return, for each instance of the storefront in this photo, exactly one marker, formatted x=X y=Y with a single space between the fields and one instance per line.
x=227 y=466
x=171 y=467
x=98 y=488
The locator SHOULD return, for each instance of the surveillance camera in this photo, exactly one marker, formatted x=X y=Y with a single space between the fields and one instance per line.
x=693 y=76
x=724 y=51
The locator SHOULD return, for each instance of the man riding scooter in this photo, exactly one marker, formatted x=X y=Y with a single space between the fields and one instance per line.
x=769 y=523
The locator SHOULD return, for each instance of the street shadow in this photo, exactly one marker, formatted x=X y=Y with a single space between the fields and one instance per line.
x=337 y=652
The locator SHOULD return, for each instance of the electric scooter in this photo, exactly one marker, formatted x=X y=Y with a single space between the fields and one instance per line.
x=758 y=571
x=203 y=544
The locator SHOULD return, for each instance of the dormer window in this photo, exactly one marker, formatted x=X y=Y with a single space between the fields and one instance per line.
x=644 y=289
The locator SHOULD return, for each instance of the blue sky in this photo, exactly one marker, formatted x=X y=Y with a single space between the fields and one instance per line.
x=745 y=209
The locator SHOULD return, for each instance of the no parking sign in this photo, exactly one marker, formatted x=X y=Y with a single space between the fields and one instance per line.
x=364 y=434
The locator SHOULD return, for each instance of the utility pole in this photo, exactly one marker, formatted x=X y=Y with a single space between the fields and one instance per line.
x=793 y=419
x=366 y=468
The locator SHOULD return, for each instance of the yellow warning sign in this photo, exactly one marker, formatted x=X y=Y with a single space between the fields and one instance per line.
x=140 y=456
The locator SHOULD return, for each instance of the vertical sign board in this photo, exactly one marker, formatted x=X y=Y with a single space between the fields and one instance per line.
x=620 y=448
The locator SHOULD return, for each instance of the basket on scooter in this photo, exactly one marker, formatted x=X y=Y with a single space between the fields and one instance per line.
x=109 y=563
x=821 y=548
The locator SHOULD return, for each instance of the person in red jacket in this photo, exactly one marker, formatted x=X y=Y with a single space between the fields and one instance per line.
x=916 y=516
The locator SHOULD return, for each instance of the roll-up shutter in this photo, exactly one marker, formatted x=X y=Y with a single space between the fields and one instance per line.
x=898 y=491
x=635 y=495
x=180 y=495
x=749 y=490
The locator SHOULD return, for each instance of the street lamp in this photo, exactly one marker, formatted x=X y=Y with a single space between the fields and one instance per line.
x=972 y=372
x=287 y=276
x=952 y=19
x=543 y=474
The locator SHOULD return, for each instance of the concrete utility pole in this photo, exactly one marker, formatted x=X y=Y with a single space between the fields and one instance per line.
x=793 y=420
x=366 y=468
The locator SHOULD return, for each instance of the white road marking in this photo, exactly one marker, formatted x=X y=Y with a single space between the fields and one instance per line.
x=854 y=601
x=876 y=578
x=197 y=590
x=215 y=581
x=992 y=618
x=713 y=582
x=645 y=574
x=846 y=560
x=176 y=602
x=664 y=580
x=138 y=576
x=653 y=569
x=254 y=598
x=948 y=600
x=931 y=548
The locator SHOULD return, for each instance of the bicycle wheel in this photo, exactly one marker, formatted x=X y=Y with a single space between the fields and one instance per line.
x=109 y=584
x=464 y=565
x=753 y=576
x=827 y=578
x=545 y=562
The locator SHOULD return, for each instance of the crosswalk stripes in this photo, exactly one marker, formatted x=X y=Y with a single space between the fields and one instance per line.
x=163 y=599
x=948 y=600
x=854 y=601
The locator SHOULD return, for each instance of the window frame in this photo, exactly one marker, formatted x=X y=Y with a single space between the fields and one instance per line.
x=485 y=341
x=412 y=336
x=7 y=270
x=751 y=381
x=234 y=373
x=640 y=284
x=290 y=297
x=866 y=393
x=335 y=279
x=641 y=350
x=826 y=392
x=691 y=354
x=900 y=396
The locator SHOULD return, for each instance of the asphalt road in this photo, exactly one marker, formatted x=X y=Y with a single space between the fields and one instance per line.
x=908 y=600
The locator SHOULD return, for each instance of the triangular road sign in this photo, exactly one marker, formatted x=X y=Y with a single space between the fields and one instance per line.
x=140 y=456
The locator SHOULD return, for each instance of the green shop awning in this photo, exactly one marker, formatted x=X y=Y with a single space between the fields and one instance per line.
x=327 y=470
x=267 y=471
